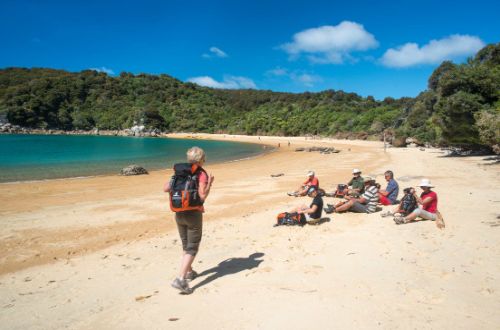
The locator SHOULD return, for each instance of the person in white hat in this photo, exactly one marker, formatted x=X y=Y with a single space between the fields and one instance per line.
x=428 y=201
x=312 y=180
x=367 y=203
x=356 y=186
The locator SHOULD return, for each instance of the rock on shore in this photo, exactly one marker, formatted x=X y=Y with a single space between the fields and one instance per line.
x=133 y=170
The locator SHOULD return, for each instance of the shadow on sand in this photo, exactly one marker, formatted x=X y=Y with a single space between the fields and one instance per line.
x=230 y=266
x=318 y=221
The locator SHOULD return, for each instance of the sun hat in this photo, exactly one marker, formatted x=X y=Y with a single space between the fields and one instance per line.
x=368 y=178
x=310 y=173
x=356 y=171
x=426 y=183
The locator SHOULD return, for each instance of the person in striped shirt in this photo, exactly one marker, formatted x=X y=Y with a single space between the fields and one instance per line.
x=367 y=203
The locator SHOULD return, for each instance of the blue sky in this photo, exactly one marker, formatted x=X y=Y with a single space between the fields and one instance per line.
x=378 y=48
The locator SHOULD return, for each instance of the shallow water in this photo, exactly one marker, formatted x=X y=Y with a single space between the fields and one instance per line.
x=38 y=157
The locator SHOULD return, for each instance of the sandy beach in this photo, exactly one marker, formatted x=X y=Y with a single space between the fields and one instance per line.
x=100 y=252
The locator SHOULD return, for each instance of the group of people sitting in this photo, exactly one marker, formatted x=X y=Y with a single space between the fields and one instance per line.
x=363 y=194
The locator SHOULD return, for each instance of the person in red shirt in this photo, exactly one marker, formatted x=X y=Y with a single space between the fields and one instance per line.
x=428 y=210
x=312 y=180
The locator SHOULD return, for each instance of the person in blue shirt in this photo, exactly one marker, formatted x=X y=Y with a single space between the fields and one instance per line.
x=389 y=195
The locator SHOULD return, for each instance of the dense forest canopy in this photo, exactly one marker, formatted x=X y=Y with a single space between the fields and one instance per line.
x=460 y=107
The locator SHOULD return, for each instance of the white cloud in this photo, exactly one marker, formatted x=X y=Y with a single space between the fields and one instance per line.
x=435 y=51
x=297 y=76
x=215 y=52
x=305 y=79
x=218 y=52
x=277 y=72
x=103 y=69
x=229 y=82
x=331 y=44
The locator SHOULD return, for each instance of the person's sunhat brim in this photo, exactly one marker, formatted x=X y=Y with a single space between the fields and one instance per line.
x=425 y=183
x=356 y=171
x=368 y=179
x=310 y=173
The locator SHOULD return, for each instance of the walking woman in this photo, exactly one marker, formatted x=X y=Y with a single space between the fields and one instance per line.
x=189 y=188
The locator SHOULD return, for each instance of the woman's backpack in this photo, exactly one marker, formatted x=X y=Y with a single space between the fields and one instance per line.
x=184 y=188
x=341 y=191
x=290 y=219
x=408 y=203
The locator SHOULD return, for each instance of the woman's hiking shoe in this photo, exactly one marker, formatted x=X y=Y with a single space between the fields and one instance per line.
x=387 y=214
x=400 y=220
x=191 y=276
x=182 y=286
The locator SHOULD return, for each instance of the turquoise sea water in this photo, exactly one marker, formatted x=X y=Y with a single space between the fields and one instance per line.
x=36 y=157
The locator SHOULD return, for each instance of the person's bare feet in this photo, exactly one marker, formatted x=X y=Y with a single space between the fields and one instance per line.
x=439 y=220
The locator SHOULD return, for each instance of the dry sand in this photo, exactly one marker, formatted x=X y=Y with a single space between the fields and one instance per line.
x=100 y=253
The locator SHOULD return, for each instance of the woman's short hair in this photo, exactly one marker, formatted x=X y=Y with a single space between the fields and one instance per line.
x=195 y=155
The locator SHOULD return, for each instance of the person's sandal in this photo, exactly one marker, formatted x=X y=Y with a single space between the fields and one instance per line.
x=386 y=214
x=400 y=220
x=191 y=276
x=182 y=286
x=329 y=209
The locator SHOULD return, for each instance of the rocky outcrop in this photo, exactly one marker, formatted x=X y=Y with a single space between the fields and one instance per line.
x=15 y=129
x=321 y=150
x=399 y=142
x=133 y=170
x=413 y=141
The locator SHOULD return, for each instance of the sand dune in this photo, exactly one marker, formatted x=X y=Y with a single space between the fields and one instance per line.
x=100 y=252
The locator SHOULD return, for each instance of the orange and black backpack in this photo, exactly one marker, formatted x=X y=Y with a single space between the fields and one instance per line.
x=184 y=185
x=290 y=219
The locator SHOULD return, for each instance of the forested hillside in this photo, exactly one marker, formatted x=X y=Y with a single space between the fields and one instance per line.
x=461 y=105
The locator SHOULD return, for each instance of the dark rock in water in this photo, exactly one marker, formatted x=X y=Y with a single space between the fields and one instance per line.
x=300 y=149
x=277 y=175
x=133 y=170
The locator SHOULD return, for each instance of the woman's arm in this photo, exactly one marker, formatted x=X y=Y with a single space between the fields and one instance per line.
x=308 y=210
x=426 y=200
x=204 y=188
x=166 y=187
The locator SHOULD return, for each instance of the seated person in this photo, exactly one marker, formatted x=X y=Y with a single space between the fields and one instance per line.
x=313 y=211
x=356 y=185
x=389 y=195
x=428 y=210
x=312 y=180
x=367 y=203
